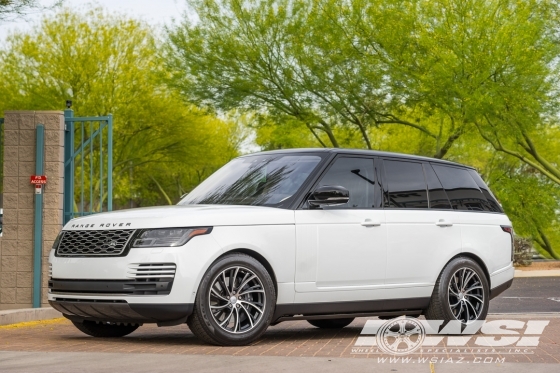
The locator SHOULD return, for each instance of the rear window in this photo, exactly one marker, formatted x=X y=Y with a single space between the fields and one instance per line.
x=461 y=188
x=492 y=202
x=438 y=197
x=405 y=185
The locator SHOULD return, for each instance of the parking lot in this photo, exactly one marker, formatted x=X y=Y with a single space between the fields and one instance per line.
x=295 y=340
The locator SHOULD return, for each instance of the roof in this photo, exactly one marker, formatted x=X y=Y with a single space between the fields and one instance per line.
x=360 y=152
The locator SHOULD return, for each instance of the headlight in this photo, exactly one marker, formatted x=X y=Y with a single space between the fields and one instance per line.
x=57 y=240
x=168 y=237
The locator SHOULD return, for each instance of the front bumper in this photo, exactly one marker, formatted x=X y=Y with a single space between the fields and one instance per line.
x=115 y=289
x=151 y=286
x=123 y=312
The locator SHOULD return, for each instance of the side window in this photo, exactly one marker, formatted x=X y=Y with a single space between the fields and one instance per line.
x=404 y=185
x=356 y=175
x=436 y=193
x=461 y=189
x=492 y=204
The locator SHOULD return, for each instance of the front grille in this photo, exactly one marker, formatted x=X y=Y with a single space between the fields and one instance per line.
x=94 y=243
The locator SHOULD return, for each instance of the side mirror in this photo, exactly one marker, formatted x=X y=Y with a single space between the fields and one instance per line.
x=329 y=195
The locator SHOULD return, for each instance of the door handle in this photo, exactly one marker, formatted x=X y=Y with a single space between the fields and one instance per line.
x=444 y=223
x=370 y=223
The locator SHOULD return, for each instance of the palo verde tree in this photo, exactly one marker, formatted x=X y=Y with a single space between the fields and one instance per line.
x=443 y=68
x=108 y=63
x=471 y=81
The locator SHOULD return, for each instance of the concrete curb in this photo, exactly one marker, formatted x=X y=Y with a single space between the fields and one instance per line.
x=537 y=273
x=8 y=317
x=528 y=315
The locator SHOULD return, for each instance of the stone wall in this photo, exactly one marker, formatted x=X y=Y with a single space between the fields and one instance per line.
x=16 y=243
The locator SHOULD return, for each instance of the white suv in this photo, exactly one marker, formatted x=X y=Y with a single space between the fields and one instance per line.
x=322 y=235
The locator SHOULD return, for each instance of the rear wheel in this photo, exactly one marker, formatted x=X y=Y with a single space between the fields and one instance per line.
x=235 y=302
x=461 y=293
x=331 y=323
x=104 y=329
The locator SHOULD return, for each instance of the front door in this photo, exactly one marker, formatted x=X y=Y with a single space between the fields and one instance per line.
x=342 y=248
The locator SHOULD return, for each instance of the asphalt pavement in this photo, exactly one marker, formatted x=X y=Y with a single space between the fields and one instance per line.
x=529 y=295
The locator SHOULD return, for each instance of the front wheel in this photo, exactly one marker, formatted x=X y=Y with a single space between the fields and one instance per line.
x=235 y=302
x=331 y=323
x=461 y=293
x=104 y=329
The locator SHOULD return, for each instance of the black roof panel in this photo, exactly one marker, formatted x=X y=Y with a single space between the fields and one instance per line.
x=360 y=152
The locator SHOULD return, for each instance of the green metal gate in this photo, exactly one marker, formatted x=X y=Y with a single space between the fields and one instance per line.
x=88 y=165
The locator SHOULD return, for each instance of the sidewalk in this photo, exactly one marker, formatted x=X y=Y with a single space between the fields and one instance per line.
x=539 y=269
x=62 y=362
x=537 y=273
x=8 y=317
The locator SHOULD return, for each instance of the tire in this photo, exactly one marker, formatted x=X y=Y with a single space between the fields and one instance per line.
x=331 y=323
x=240 y=312
x=449 y=301
x=104 y=330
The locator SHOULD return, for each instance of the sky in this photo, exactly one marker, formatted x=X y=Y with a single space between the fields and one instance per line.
x=156 y=12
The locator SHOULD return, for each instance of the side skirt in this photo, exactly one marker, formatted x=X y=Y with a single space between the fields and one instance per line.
x=326 y=310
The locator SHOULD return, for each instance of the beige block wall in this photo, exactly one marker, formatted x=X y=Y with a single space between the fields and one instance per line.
x=16 y=243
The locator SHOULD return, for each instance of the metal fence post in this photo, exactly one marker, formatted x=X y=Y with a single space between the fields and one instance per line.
x=38 y=218
x=68 y=166
x=110 y=164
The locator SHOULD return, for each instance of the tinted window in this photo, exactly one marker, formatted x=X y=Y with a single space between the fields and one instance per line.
x=356 y=175
x=461 y=189
x=492 y=203
x=405 y=185
x=438 y=197
x=262 y=180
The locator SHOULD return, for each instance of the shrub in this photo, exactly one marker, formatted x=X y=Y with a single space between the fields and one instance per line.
x=522 y=252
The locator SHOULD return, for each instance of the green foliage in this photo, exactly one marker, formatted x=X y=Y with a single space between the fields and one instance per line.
x=471 y=81
x=109 y=63
x=442 y=67
x=523 y=252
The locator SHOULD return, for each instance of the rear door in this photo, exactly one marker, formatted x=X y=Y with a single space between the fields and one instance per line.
x=422 y=233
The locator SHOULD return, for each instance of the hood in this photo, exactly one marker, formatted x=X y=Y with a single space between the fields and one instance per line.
x=182 y=216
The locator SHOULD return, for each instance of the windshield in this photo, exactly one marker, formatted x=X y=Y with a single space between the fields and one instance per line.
x=262 y=180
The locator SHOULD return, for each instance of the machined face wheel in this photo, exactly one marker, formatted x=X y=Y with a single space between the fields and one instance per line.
x=237 y=299
x=465 y=294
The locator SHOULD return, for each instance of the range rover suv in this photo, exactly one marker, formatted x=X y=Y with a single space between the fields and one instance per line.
x=324 y=235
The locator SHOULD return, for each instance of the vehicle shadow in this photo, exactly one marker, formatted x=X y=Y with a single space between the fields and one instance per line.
x=181 y=336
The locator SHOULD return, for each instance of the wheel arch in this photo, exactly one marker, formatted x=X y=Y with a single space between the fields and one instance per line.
x=478 y=261
x=261 y=259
